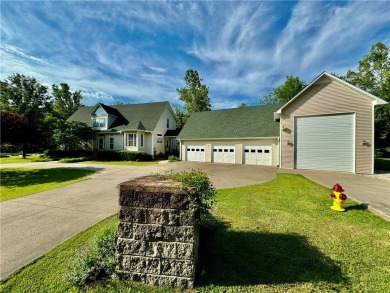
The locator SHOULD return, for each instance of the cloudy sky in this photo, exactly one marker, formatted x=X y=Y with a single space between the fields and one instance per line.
x=139 y=51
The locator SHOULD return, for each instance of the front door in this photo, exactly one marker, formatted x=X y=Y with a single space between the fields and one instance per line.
x=101 y=143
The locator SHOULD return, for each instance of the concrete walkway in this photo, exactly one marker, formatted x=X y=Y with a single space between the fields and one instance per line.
x=33 y=225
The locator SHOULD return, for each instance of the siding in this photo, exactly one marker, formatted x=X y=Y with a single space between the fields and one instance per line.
x=161 y=128
x=330 y=97
x=238 y=144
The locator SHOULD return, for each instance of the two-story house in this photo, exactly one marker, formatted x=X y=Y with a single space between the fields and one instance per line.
x=149 y=127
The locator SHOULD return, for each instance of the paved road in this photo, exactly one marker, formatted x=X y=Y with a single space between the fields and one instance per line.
x=32 y=225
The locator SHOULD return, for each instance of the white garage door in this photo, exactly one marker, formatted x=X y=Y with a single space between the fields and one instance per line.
x=257 y=155
x=195 y=153
x=224 y=154
x=325 y=142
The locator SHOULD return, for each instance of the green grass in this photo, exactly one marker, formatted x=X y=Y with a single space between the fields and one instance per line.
x=278 y=236
x=122 y=163
x=17 y=182
x=19 y=159
x=382 y=164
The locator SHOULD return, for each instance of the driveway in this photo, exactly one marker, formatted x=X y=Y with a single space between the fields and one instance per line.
x=33 y=225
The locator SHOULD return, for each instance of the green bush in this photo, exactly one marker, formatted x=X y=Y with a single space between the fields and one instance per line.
x=41 y=159
x=173 y=159
x=122 y=156
x=61 y=154
x=74 y=160
x=96 y=262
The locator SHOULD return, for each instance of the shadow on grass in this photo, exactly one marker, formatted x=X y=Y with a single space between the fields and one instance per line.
x=13 y=178
x=236 y=258
x=357 y=207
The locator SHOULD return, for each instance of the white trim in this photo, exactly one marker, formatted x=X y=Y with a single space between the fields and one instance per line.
x=236 y=138
x=373 y=141
x=354 y=145
x=374 y=99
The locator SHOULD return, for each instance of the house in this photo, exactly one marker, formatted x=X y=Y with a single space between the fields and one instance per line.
x=149 y=127
x=329 y=125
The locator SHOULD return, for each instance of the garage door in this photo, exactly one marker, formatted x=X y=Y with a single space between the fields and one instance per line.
x=195 y=153
x=325 y=142
x=257 y=155
x=224 y=154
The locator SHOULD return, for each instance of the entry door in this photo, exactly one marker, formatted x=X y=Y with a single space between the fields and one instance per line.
x=101 y=143
x=325 y=142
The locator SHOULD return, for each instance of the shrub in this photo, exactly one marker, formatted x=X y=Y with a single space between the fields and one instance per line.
x=61 y=154
x=173 y=159
x=98 y=261
x=74 y=160
x=122 y=156
x=41 y=159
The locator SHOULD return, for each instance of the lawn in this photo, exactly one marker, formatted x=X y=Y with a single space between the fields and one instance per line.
x=277 y=236
x=24 y=181
x=19 y=159
x=382 y=164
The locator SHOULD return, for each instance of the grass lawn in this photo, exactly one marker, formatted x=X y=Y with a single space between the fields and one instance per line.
x=382 y=164
x=24 y=181
x=121 y=163
x=278 y=236
x=18 y=159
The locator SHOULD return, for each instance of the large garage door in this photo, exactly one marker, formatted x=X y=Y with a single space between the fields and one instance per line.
x=223 y=154
x=325 y=142
x=195 y=153
x=257 y=155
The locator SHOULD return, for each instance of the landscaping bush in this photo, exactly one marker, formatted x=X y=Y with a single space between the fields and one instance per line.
x=74 y=160
x=41 y=159
x=122 y=156
x=98 y=261
x=173 y=159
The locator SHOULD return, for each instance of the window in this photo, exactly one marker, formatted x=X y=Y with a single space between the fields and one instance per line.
x=99 y=122
x=159 y=138
x=266 y=151
x=111 y=143
x=131 y=139
x=167 y=122
x=141 y=143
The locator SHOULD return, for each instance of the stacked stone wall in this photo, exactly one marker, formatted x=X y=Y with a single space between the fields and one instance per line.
x=157 y=234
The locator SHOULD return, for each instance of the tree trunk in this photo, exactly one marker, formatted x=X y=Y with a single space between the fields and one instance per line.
x=24 y=151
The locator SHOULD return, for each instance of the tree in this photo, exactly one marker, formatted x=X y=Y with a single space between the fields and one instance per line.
x=194 y=95
x=65 y=102
x=71 y=134
x=17 y=130
x=373 y=76
x=285 y=92
x=243 y=105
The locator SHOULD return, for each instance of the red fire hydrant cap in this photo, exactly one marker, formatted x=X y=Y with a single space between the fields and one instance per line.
x=337 y=187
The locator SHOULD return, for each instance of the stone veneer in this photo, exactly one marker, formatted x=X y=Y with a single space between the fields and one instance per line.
x=157 y=234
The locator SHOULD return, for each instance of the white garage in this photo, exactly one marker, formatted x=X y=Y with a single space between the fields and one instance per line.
x=223 y=154
x=195 y=153
x=325 y=142
x=258 y=155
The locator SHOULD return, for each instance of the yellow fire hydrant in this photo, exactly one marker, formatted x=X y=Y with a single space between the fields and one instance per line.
x=338 y=198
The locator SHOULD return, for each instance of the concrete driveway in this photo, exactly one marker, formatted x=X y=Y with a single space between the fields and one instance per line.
x=33 y=225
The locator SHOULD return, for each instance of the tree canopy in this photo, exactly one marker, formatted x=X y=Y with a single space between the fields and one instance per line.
x=284 y=92
x=194 y=95
x=65 y=102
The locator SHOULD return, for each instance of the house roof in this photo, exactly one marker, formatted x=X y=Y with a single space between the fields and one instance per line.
x=374 y=99
x=129 y=117
x=173 y=133
x=244 y=122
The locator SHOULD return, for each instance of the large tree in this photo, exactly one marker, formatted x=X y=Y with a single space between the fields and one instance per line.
x=284 y=92
x=373 y=76
x=194 y=95
x=65 y=102
x=17 y=130
x=71 y=134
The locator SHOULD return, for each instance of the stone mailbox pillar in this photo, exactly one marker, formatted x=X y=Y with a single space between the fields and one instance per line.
x=157 y=236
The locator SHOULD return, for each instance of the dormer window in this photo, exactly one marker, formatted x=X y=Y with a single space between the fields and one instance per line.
x=99 y=122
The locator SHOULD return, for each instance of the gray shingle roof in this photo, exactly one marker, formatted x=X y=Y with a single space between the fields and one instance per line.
x=255 y=121
x=130 y=116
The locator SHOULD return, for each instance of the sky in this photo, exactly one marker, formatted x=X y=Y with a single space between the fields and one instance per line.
x=138 y=52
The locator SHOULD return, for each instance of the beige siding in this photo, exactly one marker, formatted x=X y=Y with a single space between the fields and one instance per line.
x=237 y=143
x=330 y=97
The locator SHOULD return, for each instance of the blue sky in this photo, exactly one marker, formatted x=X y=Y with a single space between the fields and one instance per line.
x=139 y=51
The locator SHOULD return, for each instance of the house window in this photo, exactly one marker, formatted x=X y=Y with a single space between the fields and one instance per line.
x=167 y=122
x=159 y=138
x=141 y=140
x=99 y=122
x=131 y=139
x=111 y=143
